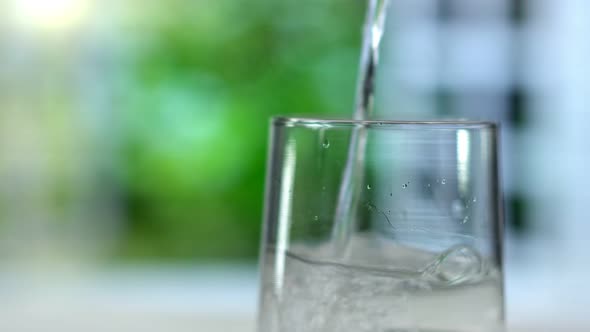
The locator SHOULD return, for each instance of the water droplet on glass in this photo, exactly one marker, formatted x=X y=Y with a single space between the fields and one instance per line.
x=405 y=186
x=316 y=218
x=326 y=143
x=369 y=186
x=443 y=181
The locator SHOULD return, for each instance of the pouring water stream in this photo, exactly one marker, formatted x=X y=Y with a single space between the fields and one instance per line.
x=352 y=179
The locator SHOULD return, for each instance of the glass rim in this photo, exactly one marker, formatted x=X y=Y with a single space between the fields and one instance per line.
x=427 y=124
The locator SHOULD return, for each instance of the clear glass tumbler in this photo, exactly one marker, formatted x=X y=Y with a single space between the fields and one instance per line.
x=418 y=246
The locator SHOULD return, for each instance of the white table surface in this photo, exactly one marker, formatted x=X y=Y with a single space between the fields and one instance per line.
x=223 y=298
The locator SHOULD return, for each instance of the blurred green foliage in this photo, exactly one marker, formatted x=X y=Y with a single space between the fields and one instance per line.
x=202 y=80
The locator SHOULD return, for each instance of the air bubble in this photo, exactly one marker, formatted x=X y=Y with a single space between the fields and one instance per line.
x=458 y=264
x=443 y=181
x=326 y=143
x=369 y=187
x=316 y=218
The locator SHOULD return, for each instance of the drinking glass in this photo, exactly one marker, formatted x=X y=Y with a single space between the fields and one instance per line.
x=382 y=226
